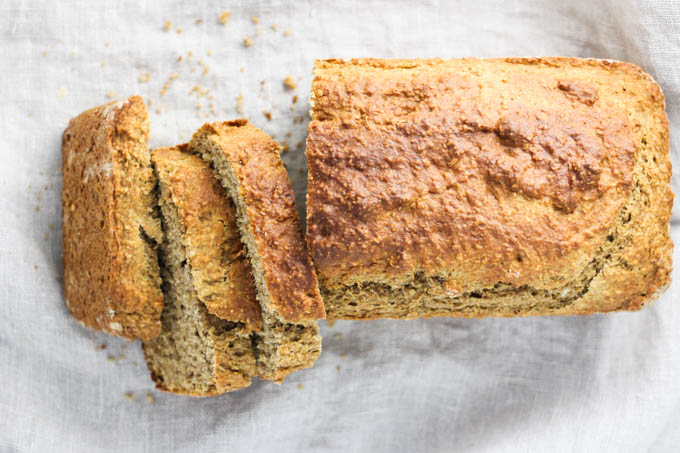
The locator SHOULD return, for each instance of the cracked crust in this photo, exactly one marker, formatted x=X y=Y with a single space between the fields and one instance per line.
x=487 y=187
x=110 y=232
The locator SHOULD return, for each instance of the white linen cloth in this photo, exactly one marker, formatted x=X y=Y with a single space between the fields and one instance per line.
x=585 y=384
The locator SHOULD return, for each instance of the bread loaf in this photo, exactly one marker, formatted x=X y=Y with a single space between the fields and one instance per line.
x=487 y=187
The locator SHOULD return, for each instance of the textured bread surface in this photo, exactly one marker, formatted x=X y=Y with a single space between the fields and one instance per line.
x=210 y=310
x=487 y=187
x=247 y=163
x=215 y=256
x=110 y=227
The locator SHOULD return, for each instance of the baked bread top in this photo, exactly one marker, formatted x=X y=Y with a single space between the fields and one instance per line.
x=110 y=229
x=275 y=241
x=220 y=269
x=487 y=170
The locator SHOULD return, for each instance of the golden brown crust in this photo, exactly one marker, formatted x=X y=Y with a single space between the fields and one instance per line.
x=111 y=279
x=476 y=173
x=267 y=193
x=220 y=269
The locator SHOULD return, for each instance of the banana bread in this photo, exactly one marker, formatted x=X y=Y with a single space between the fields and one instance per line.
x=487 y=187
x=110 y=227
x=210 y=309
x=247 y=163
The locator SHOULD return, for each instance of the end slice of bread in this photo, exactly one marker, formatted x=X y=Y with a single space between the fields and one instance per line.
x=110 y=227
x=210 y=308
x=247 y=163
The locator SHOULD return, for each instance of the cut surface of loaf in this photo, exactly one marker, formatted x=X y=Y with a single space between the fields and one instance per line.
x=204 y=347
x=487 y=187
x=247 y=163
x=109 y=223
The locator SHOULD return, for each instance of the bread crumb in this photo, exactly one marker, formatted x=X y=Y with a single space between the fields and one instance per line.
x=107 y=44
x=167 y=26
x=179 y=59
x=289 y=83
x=198 y=21
x=130 y=396
x=258 y=30
x=284 y=147
x=51 y=226
x=256 y=20
x=286 y=33
x=224 y=17
x=144 y=77
x=289 y=134
x=173 y=76
x=209 y=52
x=150 y=102
x=267 y=114
x=111 y=358
x=111 y=94
x=62 y=93
x=159 y=110
x=35 y=266
x=343 y=356
x=134 y=363
x=205 y=71
x=275 y=27
x=242 y=68
x=38 y=196
x=298 y=145
x=337 y=368
x=149 y=398
x=337 y=336
x=120 y=357
x=300 y=386
x=102 y=346
x=37 y=208
x=44 y=52
x=330 y=322
x=295 y=99
x=247 y=42
x=239 y=103
x=189 y=55
x=179 y=31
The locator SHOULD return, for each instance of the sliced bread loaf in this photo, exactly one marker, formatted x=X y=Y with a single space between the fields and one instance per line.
x=210 y=308
x=110 y=229
x=247 y=163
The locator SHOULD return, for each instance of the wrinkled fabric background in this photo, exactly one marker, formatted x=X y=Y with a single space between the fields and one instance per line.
x=598 y=383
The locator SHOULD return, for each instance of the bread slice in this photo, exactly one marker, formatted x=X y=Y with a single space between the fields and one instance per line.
x=210 y=308
x=247 y=163
x=487 y=187
x=109 y=224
